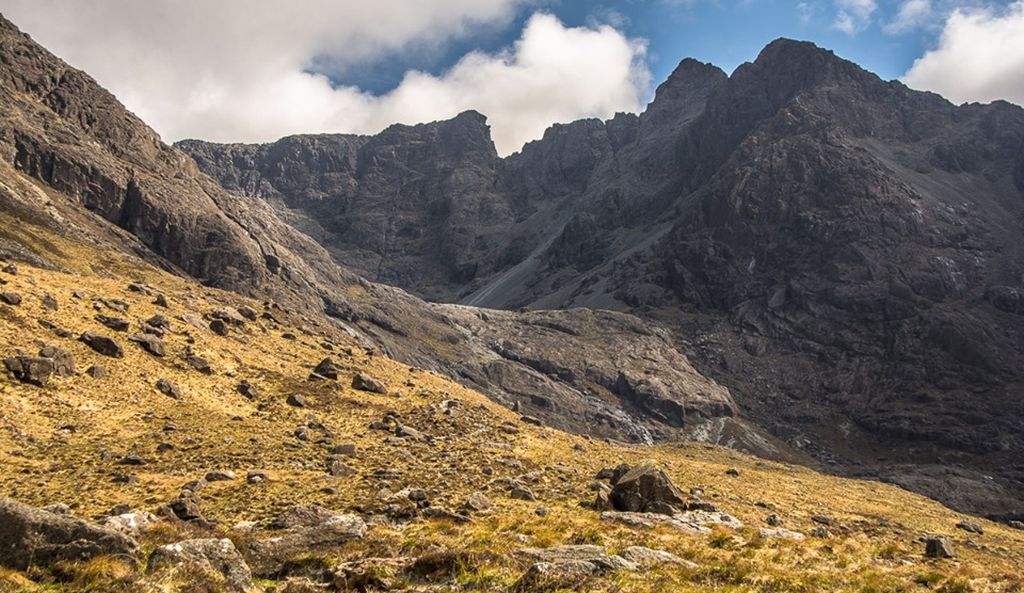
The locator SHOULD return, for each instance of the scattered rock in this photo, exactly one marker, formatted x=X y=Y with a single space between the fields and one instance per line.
x=161 y=301
x=327 y=369
x=477 y=502
x=200 y=364
x=168 y=388
x=150 y=343
x=102 y=344
x=648 y=557
x=693 y=522
x=218 y=556
x=647 y=489
x=96 y=371
x=822 y=520
x=938 y=547
x=11 y=298
x=129 y=523
x=820 y=532
x=33 y=537
x=303 y=515
x=732 y=471
x=781 y=533
x=63 y=361
x=269 y=555
x=365 y=382
x=256 y=477
x=50 y=302
x=971 y=527
x=220 y=476
x=521 y=492
x=774 y=521
x=297 y=400
x=115 y=323
x=218 y=327
x=30 y=369
x=248 y=390
x=11 y=269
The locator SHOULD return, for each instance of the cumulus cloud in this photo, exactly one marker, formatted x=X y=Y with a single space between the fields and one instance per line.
x=854 y=15
x=240 y=70
x=911 y=15
x=979 y=57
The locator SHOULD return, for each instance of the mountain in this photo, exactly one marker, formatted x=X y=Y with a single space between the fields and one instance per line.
x=80 y=165
x=199 y=397
x=841 y=252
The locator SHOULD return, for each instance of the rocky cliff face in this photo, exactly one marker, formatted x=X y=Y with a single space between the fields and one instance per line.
x=76 y=163
x=842 y=252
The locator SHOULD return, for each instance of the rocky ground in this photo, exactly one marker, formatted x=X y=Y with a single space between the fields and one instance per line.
x=158 y=435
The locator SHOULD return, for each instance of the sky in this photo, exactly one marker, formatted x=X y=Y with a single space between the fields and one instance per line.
x=252 y=71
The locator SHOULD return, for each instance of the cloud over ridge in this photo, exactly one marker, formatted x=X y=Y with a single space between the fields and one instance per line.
x=239 y=71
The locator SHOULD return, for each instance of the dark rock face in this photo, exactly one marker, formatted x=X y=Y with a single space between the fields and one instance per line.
x=832 y=249
x=647 y=489
x=31 y=536
x=102 y=344
x=810 y=219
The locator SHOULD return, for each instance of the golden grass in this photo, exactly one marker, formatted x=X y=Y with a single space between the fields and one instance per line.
x=61 y=443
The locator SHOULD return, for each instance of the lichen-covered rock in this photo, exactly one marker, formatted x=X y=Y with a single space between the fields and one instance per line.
x=216 y=556
x=34 y=537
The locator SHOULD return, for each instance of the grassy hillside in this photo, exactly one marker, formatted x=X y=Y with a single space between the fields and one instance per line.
x=67 y=442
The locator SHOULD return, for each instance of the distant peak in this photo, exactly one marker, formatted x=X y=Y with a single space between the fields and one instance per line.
x=804 y=57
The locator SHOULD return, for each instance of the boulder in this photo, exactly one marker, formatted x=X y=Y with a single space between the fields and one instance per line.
x=31 y=536
x=647 y=489
x=11 y=298
x=303 y=515
x=647 y=557
x=269 y=555
x=115 y=323
x=130 y=524
x=220 y=476
x=168 y=388
x=364 y=382
x=218 y=327
x=477 y=502
x=327 y=369
x=150 y=343
x=102 y=344
x=63 y=361
x=216 y=556
x=30 y=369
x=938 y=547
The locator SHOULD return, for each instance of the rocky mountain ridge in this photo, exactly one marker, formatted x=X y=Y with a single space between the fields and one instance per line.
x=77 y=163
x=836 y=249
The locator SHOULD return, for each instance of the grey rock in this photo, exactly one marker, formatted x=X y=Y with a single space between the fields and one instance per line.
x=102 y=344
x=647 y=489
x=218 y=556
x=34 y=537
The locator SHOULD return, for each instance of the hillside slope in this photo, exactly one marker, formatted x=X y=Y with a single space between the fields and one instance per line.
x=75 y=161
x=837 y=250
x=121 y=448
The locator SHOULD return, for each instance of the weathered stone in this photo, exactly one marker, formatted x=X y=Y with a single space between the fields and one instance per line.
x=10 y=298
x=63 y=361
x=217 y=556
x=33 y=537
x=647 y=489
x=150 y=343
x=31 y=369
x=269 y=555
x=938 y=547
x=114 y=323
x=365 y=382
x=327 y=369
x=220 y=476
x=168 y=388
x=102 y=344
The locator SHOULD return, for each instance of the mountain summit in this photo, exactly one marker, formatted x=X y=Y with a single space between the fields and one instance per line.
x=216 y=380
x=834 y=248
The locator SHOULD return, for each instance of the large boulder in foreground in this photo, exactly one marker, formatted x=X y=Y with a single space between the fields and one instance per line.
x=647 y=489
x=268 y=556
x=216 y=557
x=31 y=536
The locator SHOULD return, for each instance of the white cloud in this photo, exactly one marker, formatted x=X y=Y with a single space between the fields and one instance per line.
x=979 y=57
x=854 y=15
x=238 y=70
x=911 y=15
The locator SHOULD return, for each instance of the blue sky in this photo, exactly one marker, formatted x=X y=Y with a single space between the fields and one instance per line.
x=196 y=70
x=725 y=33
